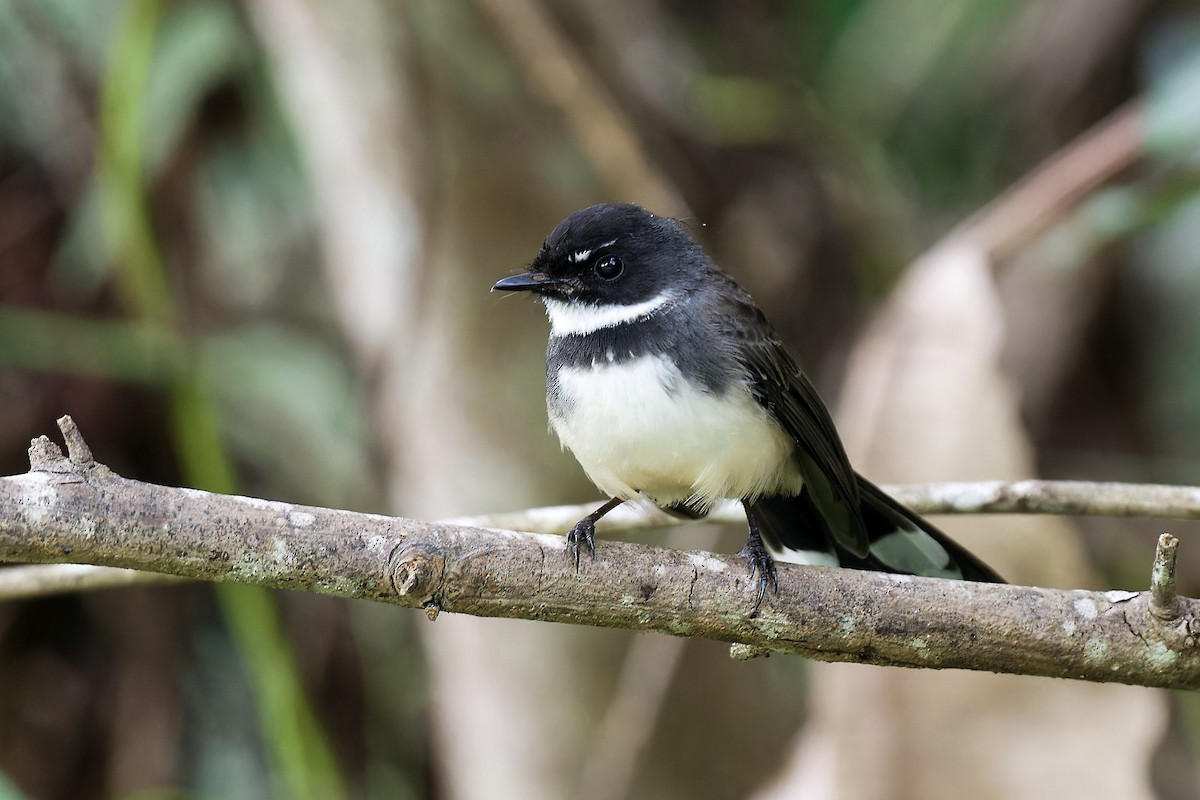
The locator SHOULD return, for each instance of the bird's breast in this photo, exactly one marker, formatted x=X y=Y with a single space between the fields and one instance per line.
x=640 y=426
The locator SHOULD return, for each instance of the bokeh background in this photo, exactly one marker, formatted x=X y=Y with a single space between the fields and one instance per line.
x=248 y=247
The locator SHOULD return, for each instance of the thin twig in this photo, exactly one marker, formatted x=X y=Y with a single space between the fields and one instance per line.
x=1076 y=498
x=36 y=580
x=1164 y=601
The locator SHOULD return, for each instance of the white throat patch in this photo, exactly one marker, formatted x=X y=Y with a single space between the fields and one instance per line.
x=579 y=319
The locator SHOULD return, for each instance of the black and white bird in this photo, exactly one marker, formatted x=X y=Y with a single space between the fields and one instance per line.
x=667 y=382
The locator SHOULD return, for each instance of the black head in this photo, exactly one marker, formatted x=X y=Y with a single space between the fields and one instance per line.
x=612 y=254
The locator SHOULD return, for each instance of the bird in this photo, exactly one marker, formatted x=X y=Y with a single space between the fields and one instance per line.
x=667 y=383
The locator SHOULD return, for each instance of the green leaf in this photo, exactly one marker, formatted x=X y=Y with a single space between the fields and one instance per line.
x=199 y=45
x=1172 y=112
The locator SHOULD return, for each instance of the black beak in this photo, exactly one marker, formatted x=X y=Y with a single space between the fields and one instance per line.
x=525 y=282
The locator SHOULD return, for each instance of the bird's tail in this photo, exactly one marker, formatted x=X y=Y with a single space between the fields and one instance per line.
x=898 y=540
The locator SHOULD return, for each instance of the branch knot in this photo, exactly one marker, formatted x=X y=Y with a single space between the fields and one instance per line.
x=416 y=570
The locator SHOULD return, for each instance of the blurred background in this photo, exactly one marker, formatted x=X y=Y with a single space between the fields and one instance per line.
x=248 y=247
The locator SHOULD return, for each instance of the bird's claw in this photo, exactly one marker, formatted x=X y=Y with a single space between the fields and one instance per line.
x=763 y=565
x=584 y=533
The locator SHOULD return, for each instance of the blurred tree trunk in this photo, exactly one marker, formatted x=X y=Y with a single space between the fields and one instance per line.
x=416 y=308
x=508 y=697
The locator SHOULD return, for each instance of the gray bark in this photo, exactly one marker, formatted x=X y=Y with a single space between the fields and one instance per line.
x=76 y=510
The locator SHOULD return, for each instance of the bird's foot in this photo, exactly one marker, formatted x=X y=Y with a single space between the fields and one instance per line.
x=584 y=533
x=762 y=565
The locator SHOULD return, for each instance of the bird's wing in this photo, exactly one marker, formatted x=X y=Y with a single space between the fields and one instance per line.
x=780 y=387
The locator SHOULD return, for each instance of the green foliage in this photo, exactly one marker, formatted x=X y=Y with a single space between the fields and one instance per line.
x=141 y=120
x=8 y=791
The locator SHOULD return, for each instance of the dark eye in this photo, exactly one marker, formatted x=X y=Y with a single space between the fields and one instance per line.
x=608 y=267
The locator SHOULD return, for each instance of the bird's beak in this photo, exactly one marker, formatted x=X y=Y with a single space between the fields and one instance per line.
x=525 y=282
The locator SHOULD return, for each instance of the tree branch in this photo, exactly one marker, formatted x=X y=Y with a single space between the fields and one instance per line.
x=981 y=497
x=72 y=509
x=1075 y=498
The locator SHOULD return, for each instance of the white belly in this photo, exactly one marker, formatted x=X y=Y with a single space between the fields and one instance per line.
x=639 y=426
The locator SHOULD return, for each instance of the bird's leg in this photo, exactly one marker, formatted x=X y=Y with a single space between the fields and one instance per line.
x=585 y=530
x=760 y=560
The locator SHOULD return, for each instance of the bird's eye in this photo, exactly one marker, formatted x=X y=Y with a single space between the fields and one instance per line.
x=608 y=268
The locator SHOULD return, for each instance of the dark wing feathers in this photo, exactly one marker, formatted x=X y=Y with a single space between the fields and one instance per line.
x=945 y=558
x=838 y=508
x=781 y=387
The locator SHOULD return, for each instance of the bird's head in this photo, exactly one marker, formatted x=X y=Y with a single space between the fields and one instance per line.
x=611 y=255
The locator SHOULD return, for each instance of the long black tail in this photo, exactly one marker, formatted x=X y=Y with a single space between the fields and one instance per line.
x=899 y=540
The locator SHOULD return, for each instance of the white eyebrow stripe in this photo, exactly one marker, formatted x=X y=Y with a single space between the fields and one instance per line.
x=582 y=255
x=579 y=319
